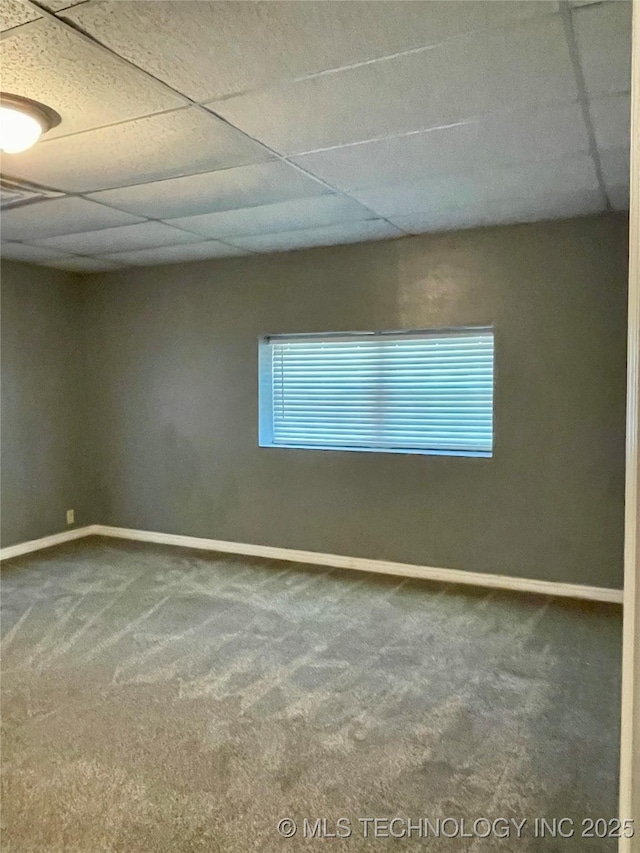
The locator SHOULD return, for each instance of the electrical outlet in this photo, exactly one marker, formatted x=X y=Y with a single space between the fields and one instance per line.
x=71 y=516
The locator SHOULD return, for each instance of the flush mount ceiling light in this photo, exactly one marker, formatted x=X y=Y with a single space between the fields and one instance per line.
x=22 y=122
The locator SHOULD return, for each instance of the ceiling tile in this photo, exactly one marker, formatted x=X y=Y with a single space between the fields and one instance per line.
x=143 y=236
x=302 y=77
x=76 y=264
x=459 y=190
x=59 y=5
x=603 y=33
x=180 y=142
x=349 y=232
x=463 y=79
x=86 y=85
x=527 y=209
x=212 y=50
x=499 y=139
x=176 y=254
x=14 y=14
x=286 y=216
x=244 y=186
x=62 y=216
x=30 y=254
x=611 y=119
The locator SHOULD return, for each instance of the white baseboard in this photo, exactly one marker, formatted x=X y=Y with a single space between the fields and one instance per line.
x=44 y=542
x=386 y=567
x=363 y=564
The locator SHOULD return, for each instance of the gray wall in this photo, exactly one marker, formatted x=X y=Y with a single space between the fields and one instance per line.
x=173 y=366
x=44 y=450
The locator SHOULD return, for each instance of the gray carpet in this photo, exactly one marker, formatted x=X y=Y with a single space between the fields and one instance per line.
x=156 y=699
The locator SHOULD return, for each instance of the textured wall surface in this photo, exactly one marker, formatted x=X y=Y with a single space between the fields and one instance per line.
x=45 y=457
x=173 y=367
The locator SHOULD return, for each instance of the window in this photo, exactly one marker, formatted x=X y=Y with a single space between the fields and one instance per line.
x=394 y=392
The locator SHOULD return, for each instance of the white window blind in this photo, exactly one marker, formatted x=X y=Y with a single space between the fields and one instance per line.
x=412 y=392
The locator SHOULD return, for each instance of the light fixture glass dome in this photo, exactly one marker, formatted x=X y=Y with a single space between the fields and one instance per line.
x=18 y=131
x=22 y=122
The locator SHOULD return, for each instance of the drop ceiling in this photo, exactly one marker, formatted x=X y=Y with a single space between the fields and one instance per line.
x=194 y=130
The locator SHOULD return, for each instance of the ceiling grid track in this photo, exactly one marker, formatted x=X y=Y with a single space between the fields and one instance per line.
x=384 y=184
x=566 y=15
x=188 y=102
x=65 y=194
